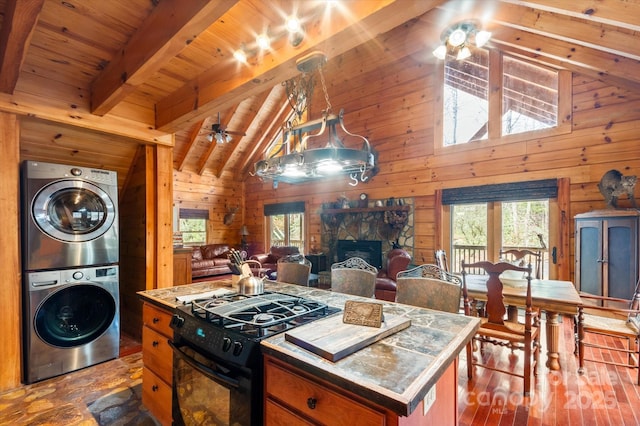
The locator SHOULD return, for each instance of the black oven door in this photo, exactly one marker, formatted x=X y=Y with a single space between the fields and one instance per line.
x=205 y=392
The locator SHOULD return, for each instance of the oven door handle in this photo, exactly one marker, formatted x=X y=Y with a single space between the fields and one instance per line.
x=211 y=374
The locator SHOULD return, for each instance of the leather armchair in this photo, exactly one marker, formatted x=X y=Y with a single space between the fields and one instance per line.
x=397 y=260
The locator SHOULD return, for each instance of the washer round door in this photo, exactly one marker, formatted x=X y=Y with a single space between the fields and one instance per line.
x=73 y=211
x=75 y=315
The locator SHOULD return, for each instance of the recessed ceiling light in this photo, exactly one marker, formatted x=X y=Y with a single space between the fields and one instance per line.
x=263 y=41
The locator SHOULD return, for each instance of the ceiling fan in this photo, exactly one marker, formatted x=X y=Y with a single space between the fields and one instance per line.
x=221 y=134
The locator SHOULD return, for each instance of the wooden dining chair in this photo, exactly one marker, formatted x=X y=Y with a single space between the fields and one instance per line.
x=612 y=317
x=526 y=255
x=293 y=269
x=495 y=329
x=428 y=286
x=354 y=276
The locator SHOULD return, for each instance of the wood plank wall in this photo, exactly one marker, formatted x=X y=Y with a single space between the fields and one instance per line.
x=133 y=244
x=392 y=105
x=218 y=195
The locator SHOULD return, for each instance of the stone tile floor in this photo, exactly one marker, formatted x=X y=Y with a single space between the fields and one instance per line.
x=105 y=394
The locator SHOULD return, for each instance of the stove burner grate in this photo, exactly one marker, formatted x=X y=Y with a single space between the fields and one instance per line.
x=261 y=314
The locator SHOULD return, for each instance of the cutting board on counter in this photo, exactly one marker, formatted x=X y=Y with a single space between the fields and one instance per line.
x=332 y=339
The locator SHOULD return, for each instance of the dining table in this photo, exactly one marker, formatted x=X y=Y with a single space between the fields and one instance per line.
x=554 y=297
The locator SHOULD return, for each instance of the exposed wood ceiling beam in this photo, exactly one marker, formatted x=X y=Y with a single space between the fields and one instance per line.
x=18 y=24
x=221 y=87
x=202 y=162
x=269 y=133
x=191 y=143
x=168 y=30
x=601 y=65
x=584 y=32
x=623 y=14
x=257 y=102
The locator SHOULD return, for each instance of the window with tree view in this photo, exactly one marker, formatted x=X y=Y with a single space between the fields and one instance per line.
x=479 y=231
x=194 y=231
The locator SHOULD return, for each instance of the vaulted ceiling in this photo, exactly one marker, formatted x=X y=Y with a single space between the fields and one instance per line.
x=162 y=71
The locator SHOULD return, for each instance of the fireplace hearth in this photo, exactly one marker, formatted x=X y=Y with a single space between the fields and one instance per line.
x=369 y=251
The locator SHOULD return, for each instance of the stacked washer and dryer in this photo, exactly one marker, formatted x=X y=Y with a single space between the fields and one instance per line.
x=71 y=302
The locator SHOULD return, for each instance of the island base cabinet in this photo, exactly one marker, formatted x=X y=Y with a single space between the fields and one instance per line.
x=156 y=396
x=293 y=397
x=157 y=357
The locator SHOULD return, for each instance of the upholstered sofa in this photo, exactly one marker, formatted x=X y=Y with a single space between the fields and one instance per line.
x=269 y=261
x=397 y=260
x=210 y=259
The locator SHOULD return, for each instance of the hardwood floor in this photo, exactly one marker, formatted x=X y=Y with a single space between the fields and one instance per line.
x=605 y=395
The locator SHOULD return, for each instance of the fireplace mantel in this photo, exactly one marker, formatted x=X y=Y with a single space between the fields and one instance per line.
x=367 y=209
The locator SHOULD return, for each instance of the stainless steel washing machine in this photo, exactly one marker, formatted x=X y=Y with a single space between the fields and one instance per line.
x=69 y=216
x=71 y=320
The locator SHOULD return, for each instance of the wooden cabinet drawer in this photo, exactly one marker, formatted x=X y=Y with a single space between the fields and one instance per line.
x=278 y=415
x=157 y=318
x=156 y=396
x=156 y=353
x=300 y=394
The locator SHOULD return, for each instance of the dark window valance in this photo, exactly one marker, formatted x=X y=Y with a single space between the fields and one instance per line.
x=194 y=214
x=532 y=190
x=284 y=208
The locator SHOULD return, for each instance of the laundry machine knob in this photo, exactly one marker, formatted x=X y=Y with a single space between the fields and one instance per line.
x=76 y=172
x=78 y=275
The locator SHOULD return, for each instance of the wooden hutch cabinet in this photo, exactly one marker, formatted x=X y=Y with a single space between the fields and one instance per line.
x=607 y=252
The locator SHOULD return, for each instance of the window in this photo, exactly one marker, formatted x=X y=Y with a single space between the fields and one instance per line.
x=480 y=231
x=485 y=219
x=466 y=99
x=193 y=226
x=530 y=99
x=285 y=224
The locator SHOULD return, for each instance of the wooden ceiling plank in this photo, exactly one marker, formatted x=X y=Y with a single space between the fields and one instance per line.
x=193 y=137
x=625 y=14
x=167 y=31
x=18 y=25
x=589 y=33
x=258 y=102
x=260 y=146
x=576 y=58
x=223 y=86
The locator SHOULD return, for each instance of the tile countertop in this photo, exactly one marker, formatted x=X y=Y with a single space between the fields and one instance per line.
x=395 y=372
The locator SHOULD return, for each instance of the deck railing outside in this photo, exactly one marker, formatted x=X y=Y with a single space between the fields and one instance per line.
x=472 y=254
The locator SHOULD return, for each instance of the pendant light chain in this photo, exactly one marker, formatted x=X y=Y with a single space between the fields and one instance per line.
x=324 y=90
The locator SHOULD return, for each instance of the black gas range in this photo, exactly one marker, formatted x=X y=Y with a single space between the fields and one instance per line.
x=231 y=327
x=217 y=347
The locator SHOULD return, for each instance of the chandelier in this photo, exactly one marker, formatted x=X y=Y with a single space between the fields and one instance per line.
x=457 y=38
x=306 y=156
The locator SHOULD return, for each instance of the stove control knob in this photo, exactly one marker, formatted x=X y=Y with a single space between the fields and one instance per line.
x=177 y=321
x=226 y=344
x=237 y=348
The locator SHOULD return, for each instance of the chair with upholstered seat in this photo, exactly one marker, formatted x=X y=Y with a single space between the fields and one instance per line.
x=613 y=317
x=354 y=276
x=495 y=329
x=428 y=286
x=293 y=269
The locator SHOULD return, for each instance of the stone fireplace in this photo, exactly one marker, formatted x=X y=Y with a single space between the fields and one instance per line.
x=369 y=251
x=389 y=224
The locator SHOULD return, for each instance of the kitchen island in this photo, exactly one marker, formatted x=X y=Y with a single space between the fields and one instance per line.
x=402 y=379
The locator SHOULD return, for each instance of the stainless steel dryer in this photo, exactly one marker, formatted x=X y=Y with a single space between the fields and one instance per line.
x=70 y=216
x=71 y=320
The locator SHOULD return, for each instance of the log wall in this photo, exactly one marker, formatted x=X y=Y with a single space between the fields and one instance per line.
x=393 y=106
